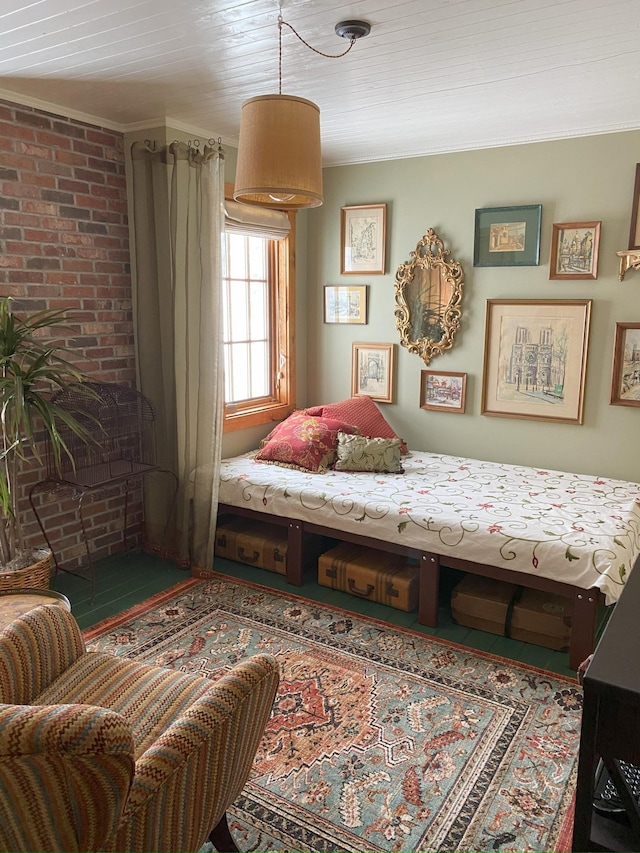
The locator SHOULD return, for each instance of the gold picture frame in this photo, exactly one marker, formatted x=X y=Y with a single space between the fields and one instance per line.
x=372 y=371
x=363 y=237
x=428 y=298
x=535 y=359
x=625 y=373
x=575 y=248
x=345 y=303
x=443 y=391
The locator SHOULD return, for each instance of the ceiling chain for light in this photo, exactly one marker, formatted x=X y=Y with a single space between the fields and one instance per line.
x=353 y=30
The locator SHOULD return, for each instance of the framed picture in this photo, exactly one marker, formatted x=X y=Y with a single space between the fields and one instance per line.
x=507 y=236
x=574 y=250
x=363 y=236
x=443 y=391
x=634 y=231
x=625 y=376
x=535 y=359
x=372 y=371
x=345 y=304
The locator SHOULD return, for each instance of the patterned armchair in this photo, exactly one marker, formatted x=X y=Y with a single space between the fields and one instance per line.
x=102 y=753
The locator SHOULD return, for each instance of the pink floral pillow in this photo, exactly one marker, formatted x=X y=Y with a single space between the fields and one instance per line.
x=304 y=442
x=363 y=413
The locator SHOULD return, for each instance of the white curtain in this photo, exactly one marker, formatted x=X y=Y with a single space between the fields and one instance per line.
x=178 y=198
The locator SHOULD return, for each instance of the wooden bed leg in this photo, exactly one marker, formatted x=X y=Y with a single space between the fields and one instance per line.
x=583 y=631
x=428 y=590
x=294 y=553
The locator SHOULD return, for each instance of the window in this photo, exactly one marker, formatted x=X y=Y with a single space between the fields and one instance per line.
x=258 y=307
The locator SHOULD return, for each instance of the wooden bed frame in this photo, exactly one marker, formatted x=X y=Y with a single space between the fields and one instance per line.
x=585 y=601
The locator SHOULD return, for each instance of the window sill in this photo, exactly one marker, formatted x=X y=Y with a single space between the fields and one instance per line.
x=256 y=417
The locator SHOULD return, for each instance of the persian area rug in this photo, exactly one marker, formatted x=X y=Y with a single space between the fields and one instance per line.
x=380 y=738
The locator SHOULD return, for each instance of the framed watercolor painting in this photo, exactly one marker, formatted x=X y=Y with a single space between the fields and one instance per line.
x=507 y=236
x=363 y=236
x=345 y=304
x=625 y=376
x=535 y=359
x=443 y=391
x=574 y=250
x=372 y=371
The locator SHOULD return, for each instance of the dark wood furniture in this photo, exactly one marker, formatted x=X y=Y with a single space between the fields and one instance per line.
x=585 y=601
x=611 y=722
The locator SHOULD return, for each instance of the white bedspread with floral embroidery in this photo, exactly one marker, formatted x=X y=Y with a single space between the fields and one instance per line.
x=574 y=528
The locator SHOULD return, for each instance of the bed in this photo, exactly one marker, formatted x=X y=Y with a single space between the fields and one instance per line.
x=573 y=534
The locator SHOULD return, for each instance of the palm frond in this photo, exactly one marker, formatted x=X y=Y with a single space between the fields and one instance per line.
x=32 y=367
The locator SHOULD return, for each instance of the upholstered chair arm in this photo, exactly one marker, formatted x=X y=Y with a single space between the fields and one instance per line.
x=65 y=773
x=201 y=761
x=34 y=650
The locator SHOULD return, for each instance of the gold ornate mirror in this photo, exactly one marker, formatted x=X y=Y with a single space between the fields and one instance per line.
x=428 y=297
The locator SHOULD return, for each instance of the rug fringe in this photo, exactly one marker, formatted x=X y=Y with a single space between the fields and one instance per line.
x=112 y=622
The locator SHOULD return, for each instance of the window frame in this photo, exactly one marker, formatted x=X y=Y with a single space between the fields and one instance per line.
x=262 y=411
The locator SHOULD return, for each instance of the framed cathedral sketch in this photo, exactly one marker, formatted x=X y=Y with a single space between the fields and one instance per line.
x=363 y=235
x=535 y=359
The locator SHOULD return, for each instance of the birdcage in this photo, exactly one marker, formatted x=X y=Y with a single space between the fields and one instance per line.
x=117 y=447
x=119 y=440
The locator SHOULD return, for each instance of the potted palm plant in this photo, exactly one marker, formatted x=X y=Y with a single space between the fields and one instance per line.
x=32 y=368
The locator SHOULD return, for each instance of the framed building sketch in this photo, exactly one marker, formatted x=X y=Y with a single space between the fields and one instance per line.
x=363 y=236
x=625 y=375
x=507 y=236
x=345 y=303
x=443 y=391
x=372 y=371
x=634 y=232
x=574 y=250
x=535 y=359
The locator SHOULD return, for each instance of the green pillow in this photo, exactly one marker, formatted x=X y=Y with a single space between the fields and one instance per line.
x=359 y=453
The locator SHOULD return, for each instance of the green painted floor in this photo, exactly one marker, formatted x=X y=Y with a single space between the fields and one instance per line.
x=125 y=580
x=120 y=582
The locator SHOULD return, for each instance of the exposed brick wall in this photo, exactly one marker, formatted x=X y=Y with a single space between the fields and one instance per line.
x=64 y=243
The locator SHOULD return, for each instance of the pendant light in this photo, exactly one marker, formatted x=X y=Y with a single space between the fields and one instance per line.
x=279 y=157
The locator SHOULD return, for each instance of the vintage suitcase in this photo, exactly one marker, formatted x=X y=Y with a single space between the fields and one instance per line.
x=542 y=618
x=483 y=603
x=376 y=575
x=255 y=543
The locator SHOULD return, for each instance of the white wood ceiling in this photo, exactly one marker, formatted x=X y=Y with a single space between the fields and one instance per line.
x=433 y=75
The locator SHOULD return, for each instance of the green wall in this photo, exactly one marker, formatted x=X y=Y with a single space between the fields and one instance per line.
x=583 y=179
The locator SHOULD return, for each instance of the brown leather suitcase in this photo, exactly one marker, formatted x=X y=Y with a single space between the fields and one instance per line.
x=375 y=575
x=482 y=603
x=254 y=543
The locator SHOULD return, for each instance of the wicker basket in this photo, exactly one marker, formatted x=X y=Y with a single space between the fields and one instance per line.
x=35 y=576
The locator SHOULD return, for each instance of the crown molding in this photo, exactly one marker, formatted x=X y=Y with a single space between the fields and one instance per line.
x=59 y=110
x=100 y=121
